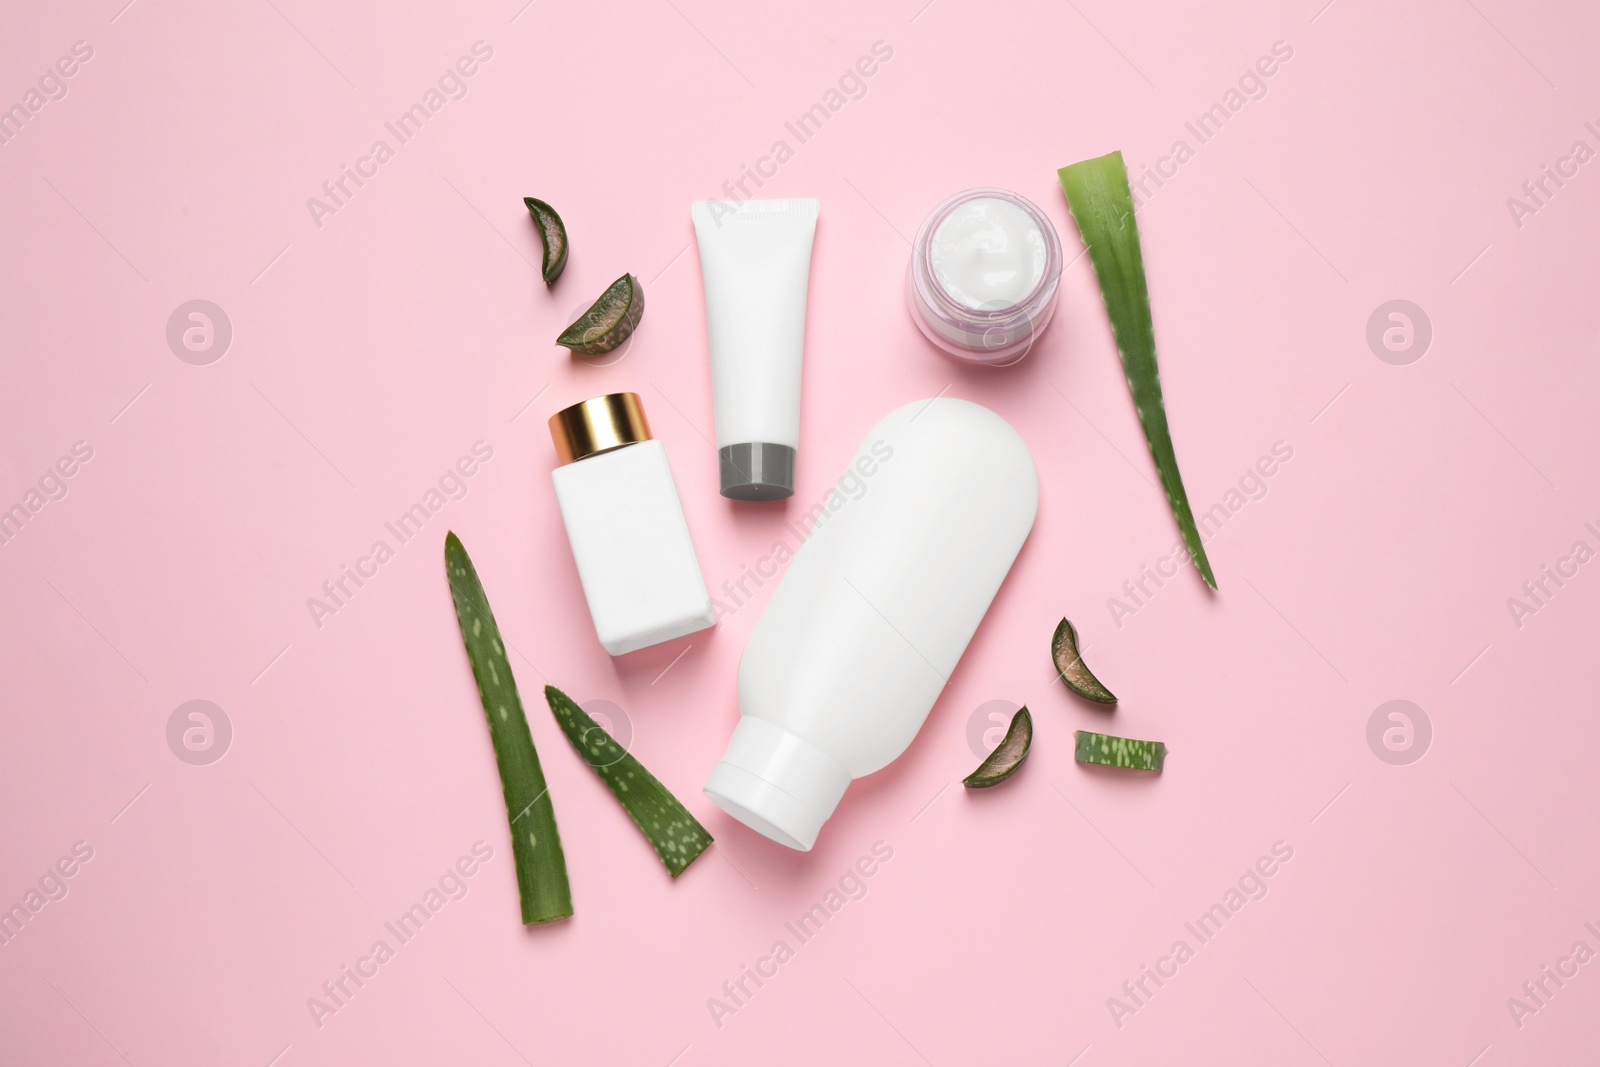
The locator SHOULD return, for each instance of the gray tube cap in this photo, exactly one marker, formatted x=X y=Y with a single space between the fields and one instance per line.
x=757 y=470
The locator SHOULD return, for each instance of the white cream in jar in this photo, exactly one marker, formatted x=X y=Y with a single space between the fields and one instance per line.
x=988 y=254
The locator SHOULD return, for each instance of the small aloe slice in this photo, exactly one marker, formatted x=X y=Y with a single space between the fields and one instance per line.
x=535 y=842
x=609 y=321
x=1111 y=751
x=1075 y=672
x=677 y=836
x=1097 y=192
x=1008 y=755
x=553 y=235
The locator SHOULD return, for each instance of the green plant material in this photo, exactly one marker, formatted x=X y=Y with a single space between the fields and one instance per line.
x=553 y=235
x=677 y=836
x=609 y=321
x=1111 y=751
x=1008 y=755
x=535 y=841
x=1074 y=672
x=1102 y=204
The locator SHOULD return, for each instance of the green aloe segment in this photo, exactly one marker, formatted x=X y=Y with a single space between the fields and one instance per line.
x=1111 y=751
x=1075 y=672
x=553 y=235
x=677 y=836
x=535 y=842
x=609 y=321
x=1003 y=762
x=1097 y=192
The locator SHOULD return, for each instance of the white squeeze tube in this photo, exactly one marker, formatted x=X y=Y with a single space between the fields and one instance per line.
x=874 y=612
x=755 y=259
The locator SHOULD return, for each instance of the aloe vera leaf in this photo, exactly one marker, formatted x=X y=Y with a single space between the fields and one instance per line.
x=535 y=842
x=609 y=321
x=552 y=234
x=1074 y=672
x=1102 y=205
x=677 y=836
x=1109 y=751
x=1007 y=756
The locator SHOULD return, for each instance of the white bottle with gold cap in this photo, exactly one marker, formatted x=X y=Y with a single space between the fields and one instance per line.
x=626 y=525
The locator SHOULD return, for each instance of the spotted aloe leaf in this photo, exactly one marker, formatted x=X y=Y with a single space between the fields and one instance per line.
x=1102 y=204
x=535 y=843
x=677 y=836
x=1109 y=751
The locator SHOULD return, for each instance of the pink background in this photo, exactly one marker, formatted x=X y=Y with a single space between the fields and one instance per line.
x=372 y=352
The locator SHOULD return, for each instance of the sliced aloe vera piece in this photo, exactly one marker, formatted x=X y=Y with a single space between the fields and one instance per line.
x=1008 y=755
x=677 y=836
x=1075 y=672
x=609 y=320
x=1111 y=751
x=1097 y=192
x=535 y=842
x=553 y=234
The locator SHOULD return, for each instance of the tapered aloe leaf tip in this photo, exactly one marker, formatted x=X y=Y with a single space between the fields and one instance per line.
x=542 y=887
x=1102 y=205
x=675 y=834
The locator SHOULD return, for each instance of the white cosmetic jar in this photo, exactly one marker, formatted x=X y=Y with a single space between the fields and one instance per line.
x=984 y=276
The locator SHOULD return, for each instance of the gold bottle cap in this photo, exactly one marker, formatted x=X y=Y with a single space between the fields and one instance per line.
x=597 y=426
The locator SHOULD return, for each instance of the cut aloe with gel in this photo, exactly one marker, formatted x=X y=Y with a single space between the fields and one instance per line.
x=1102 y=204
x=1007 y=756
x=1074 y=672
x=535 y=842
x=677 y=836
x=552 y=234
x=1109 y=751
x=609 y=321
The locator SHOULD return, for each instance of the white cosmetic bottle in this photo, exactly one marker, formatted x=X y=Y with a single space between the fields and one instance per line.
x=626 y=525
x=877 y=607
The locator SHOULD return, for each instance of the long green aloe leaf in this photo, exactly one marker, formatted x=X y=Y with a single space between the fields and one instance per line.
x=1102 y=204
x=535 y=842
x=677 y=836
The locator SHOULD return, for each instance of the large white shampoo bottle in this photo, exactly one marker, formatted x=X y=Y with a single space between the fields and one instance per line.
x=877 y=607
